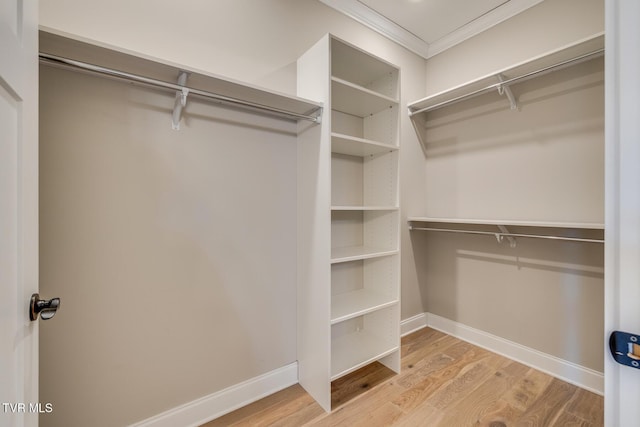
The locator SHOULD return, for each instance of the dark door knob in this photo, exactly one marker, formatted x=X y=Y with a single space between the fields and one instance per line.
x=45 y=308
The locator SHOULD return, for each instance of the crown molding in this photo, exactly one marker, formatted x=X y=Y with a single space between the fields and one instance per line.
x=372 y=19
x=482 y=23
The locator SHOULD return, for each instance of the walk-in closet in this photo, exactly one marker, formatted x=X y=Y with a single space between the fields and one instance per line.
x=280 y=205
x=514 y=220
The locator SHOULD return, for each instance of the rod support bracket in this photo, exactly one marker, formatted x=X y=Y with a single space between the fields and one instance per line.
x=510 y=239
x=181 y=100
x=506 y=90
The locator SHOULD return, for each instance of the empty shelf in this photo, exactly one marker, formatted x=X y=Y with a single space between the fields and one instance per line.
x=364 y=208
x=508 y=222
x=353 y=351
x=357 y=100
x=355 y=253
x=588 y=48
x=360 y=147
x=356 y=303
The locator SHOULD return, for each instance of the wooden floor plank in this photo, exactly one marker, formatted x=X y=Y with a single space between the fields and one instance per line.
x=444 y=382
x=528 y=389
x=428 y=349
x=428 y=380
x=483 y=401
x=349 y=387
x=422 y=415
x=287 y=413
x=261 y=406
x=588 y=406
x=569 y=420
x=424 y=368
x=499 y=414
x=548 y=407
x=351 y=413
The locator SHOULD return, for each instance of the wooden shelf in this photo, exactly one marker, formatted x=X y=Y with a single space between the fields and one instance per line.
x=356 y=100
x=353 y=351
x=544 y=224
x=476 y=86
x=355 y=253
x=359 y=147
x=356 y=303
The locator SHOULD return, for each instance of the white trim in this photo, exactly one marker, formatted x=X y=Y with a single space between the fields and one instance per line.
x=372 y=19
x=413 y=324
x=379 y=23
x=210 y=407
x=622 y=203
x=586 y=378
x=482 y=23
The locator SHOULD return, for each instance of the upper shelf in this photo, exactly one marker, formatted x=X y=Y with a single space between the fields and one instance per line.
x=356 y=100
x=351 y=64
x=582 y=50
x=199 y=83
x=361 y=147
x=567 y=231
x=542 y=224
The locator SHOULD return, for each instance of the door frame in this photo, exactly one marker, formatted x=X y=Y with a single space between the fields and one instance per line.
x=622 y=202
x=19 y=80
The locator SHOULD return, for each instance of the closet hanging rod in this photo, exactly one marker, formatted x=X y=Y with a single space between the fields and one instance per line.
x=70 y=63
x=499 y=233
x=506 y=83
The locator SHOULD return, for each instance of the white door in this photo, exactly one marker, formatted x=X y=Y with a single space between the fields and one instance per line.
x=622 y=212
x=18 y=212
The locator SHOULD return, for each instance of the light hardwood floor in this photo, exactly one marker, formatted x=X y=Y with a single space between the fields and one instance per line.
x=444 y=382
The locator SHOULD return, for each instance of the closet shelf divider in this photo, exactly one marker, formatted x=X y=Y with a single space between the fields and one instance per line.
x=356 y=253
x=357 y=303
x=356 y=100
x=360 y=147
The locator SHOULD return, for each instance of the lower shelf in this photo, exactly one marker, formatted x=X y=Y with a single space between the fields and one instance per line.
x=353 y=351
x=358 y=341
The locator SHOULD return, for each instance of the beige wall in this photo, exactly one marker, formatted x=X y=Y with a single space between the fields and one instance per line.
x=201 y=222
x=169 y=217
x=547 y=26
x=172 y=251
x=544 y=162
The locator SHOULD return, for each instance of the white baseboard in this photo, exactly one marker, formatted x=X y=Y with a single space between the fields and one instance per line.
x=413 y=324
x=217 y=404
x=585 y=378
x=210 y=407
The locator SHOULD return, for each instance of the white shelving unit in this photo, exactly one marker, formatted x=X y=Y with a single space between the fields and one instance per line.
x=349 y=258
x=500 y=81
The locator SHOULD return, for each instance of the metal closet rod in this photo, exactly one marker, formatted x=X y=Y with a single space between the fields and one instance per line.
x=70 y=63
x=500 y=233
x=497 y=86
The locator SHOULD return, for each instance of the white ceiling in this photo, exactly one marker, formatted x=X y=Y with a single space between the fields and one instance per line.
x=432 y=19
x=428 y=27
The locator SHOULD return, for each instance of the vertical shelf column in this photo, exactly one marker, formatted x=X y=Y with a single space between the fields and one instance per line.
x=348 y=223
